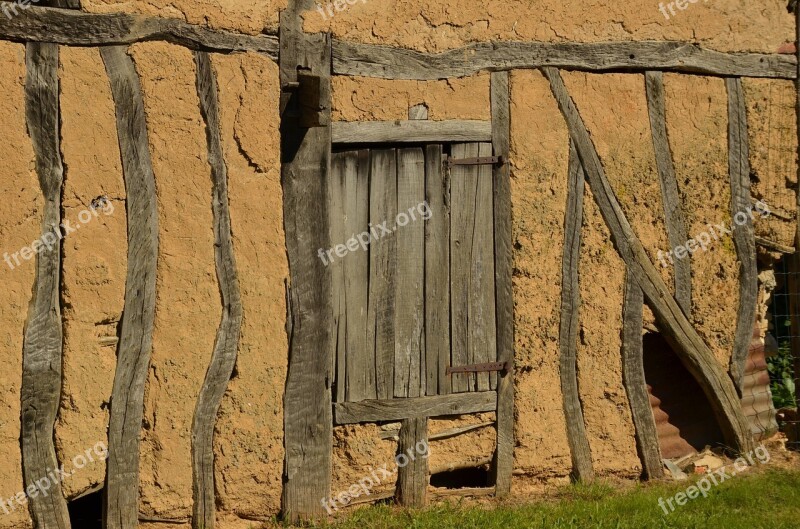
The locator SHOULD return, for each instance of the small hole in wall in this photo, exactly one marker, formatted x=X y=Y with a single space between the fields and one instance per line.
x=86 y=512
x=462 y=478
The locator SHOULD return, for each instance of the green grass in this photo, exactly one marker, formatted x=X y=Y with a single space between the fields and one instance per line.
x=768 y=499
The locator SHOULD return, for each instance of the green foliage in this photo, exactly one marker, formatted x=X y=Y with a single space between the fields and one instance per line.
x=781 y=376
x=757 y=500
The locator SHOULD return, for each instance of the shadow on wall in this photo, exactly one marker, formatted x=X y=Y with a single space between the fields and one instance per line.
x=684 y=418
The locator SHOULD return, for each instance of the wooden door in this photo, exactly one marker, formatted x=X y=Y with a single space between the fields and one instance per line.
x=413 y=271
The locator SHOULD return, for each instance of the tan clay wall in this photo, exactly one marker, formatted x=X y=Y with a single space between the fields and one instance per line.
x=249 y=441
x=432 y=25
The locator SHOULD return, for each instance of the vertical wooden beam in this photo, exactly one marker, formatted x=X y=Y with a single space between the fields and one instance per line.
x=682 y=336
x=635 y=384
x=223 y=357
x=305 y=170
x=437 y=274
x=673 y=214
x=136 y=339
x=382 y=270
x=409 y=338
x=570 y=321
x=42 y=343
x=412 y=478
x=743 y=234
x=503 y=462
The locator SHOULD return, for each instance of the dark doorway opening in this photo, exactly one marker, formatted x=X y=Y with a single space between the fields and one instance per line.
x=684 y=419
x=86 y=512
x=462 y=478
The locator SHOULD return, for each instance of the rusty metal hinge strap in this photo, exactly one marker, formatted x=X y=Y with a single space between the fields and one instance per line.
x=477 y=368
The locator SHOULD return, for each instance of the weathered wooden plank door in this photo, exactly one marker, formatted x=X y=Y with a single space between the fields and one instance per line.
x=413 y=267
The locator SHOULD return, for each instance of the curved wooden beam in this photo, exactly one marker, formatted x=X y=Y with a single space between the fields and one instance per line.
x=42 y=346
x=136 y=337
x=371 y=60
x=76 y=28
x=635 y=384
x=743 y=234
x=568 y=331
x=686 y=342
x=223 y=359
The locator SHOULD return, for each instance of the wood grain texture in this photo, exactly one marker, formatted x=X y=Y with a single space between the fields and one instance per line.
x=42 y=348
x=337 y=185
x=463 y=189
x=412 y=478
x=503 y=462
x=370 y=60
x=136 y=337
x=223 y=357
x=743 y=233
x=437 y=274
x=483 y=341
x=676 y=328
x=382 y=269
x=570 y=322
x=472 y=277
x=635 y=385
x=677 y=235
x=407 y=408
x=349 y=199
x=76 y=28
x=409 y=315
x=305 y=170
x=412 y=131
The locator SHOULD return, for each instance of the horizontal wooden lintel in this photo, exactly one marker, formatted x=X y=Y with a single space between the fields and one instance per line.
x=411 y=131
x=76 y=28
x=386 y=62
x=398 y=409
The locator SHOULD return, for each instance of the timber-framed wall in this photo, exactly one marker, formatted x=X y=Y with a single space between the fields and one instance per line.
x=307 y=63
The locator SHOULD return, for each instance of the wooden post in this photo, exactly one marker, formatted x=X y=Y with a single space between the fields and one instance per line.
x=305 y=168
x=136 y=339
x=42 y=343
x=503 y=462
x=579 y=449
x=223 y=357
x=412 y=477
x=743 y=236
x=635 y=385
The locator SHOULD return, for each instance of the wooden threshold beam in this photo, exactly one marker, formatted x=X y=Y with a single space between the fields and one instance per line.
x=371 y=60
x=407 y=408
x=76 y=28
x=411 y=131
